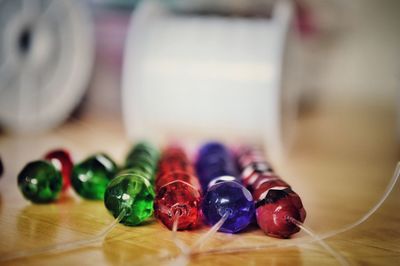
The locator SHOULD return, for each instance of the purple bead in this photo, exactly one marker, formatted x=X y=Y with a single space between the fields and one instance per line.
x=229 y=196
x=214 y=160
x=218 y=176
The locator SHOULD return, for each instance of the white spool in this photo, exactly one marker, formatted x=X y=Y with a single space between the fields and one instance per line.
x=188 y=76
x=46 y=57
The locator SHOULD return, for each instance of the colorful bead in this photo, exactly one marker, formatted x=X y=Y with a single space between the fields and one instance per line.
x=61 y=159
x=178 y=191
x=132 y=193
x=217 y=171
x=214 y=160
x=40 y=182
x=275 y=200
x=91 y=176
x=274 y=208
x=229 y=197
x=132 y=189
x=143 y=158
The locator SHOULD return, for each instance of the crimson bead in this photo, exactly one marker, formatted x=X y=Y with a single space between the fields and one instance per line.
x=178 y=191
x=273 y=211
x=178 y=198
x=61 y=159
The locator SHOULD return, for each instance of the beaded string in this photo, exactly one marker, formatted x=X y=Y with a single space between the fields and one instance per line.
x=298 y=241
x=136 y=174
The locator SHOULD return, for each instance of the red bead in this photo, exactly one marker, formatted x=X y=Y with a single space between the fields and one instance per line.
x=173 y=176
x=178 y=191
x=61 y=159
x=272 y=214
x=275 y=200
x=263 y=184
x=178 y=198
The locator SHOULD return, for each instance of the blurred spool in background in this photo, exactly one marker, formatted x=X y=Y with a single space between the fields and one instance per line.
x=199 y=73
x=46 y=57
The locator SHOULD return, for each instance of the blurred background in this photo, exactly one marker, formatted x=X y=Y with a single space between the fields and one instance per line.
x=236 y=70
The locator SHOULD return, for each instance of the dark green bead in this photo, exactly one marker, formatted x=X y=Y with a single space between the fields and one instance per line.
x=40 y=182
x=132 y=193
x=143 y=153
x=91 y=177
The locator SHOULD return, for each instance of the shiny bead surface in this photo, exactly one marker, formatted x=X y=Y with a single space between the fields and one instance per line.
x=91 y=177
x=229 y=197
x=275 y=208
x=132 y=190
x=275 y=201
x=61 y=159
x=178 y=190
x=40 y=182
x=132 y=193
x=181 y=199
x=219 y=176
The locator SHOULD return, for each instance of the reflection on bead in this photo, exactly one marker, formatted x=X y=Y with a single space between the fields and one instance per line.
x=40 y=182
x=91 y=177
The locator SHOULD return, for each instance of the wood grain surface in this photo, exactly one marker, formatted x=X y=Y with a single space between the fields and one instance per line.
x=340 y=164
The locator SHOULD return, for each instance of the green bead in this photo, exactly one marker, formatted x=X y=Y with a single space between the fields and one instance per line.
x=91 y=177
x=40 y=182
x=132 y=193
x=143 y=155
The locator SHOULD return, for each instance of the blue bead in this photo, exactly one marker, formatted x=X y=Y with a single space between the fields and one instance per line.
x=232 y=197
x=218 y=176
x=214 y=160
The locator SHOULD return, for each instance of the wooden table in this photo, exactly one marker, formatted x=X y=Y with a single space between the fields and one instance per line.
x=340 y=163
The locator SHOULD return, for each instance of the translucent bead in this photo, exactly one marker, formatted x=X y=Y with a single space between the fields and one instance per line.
x=229 y=197
x=143 y=158
x=132 y=193
x=40 y=182
x=214 y=160
x=61 y=159
x=178 y=198
x=91 y=177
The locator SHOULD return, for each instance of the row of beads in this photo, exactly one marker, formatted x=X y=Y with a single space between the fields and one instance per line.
x=132 y=189
x=224 y=193
x=178 y=190
x=275 y=201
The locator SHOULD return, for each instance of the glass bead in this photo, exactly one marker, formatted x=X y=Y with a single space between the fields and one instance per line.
x=229 y=197
x=40 y=182
x=143 y=157
x=177 y=175
x=133 y=193
x=274 y=209
x=178 y=198
x=91 y=177
x=214 y=160
x=61 y=159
